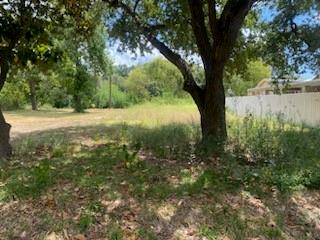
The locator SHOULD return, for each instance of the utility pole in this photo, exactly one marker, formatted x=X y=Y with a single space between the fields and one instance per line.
x=110 y=86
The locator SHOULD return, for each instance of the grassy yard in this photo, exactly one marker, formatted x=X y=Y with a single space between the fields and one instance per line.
x=139 y=173
x=26 y=121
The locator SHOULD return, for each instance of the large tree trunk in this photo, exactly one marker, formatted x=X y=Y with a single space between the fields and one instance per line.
x=5 y=147
x=77 y=104
x=213 y=114
x=33 y=95
x=210 y=100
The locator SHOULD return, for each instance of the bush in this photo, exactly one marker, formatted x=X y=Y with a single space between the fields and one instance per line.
x=119 y=99
x=14 y=95
x=59 y=98
x=284 y=155
x=82 y=90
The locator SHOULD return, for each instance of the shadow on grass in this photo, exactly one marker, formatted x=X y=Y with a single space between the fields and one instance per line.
x=122 y=180
x=44 y=113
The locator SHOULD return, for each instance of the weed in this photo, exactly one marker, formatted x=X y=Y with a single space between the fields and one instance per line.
x=32 y=183
x=131 y=159
x=209 y=233
x=146 y=234
x=114 y=232
x=85 y=221
x=173 y=141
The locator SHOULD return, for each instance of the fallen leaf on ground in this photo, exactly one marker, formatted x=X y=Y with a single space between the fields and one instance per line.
x=111 y=205
x=79 y=237
x=53 y=236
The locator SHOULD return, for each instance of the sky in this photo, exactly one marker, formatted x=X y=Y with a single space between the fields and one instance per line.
x=131 y=59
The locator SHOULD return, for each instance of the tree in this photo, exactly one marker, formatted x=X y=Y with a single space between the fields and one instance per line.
x=123 y=70
x=219 y=32
x=81 y=38
x=32 y=75
x=153 y=79
x=238 y=84
x=22 y=38
x=25 y=27
x=14 y=93
x=292 y=38
x=135 y=84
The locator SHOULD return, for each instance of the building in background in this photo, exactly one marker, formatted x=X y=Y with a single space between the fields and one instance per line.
x=268 y=87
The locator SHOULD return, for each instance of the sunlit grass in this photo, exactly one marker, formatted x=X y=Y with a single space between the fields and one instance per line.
x=147 y=114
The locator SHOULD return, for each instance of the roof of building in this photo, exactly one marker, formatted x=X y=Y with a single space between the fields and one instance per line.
x=267 y=84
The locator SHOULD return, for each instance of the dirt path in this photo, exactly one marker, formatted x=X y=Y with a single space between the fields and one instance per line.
x=27 y=122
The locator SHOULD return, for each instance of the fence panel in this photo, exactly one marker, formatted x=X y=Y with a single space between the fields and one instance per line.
x=298 y=108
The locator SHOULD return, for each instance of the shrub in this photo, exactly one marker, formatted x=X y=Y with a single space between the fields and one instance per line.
x=119 y=99
x=284 y=155
x=14 y=95
x=59 y=98
x=82 y=89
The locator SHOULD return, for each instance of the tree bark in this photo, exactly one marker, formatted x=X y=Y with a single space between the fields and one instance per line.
x=5 y=147
x=33 y=95
x=78 y=108
x=213 y=111
x=77 y=88
x=6 y=58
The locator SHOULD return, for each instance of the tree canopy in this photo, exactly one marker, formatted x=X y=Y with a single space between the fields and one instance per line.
x=23 y=33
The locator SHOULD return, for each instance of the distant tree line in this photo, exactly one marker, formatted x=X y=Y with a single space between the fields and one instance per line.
x=60 y=86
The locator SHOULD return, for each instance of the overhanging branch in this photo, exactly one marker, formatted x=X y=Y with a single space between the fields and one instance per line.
x=229 y=25
x=190 y=84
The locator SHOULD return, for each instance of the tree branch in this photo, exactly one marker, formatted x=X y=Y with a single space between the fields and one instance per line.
x=190 y=84
x=212 y=16
x=200 y=30
x=2 y=120
x=235 y=7
x=136 y=5
x=229 y=25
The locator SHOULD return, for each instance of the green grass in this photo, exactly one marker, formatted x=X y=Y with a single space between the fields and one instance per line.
x=147 y=179
x=114 y=232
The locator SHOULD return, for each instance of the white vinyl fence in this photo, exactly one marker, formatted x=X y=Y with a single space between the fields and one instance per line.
x=298 y=108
